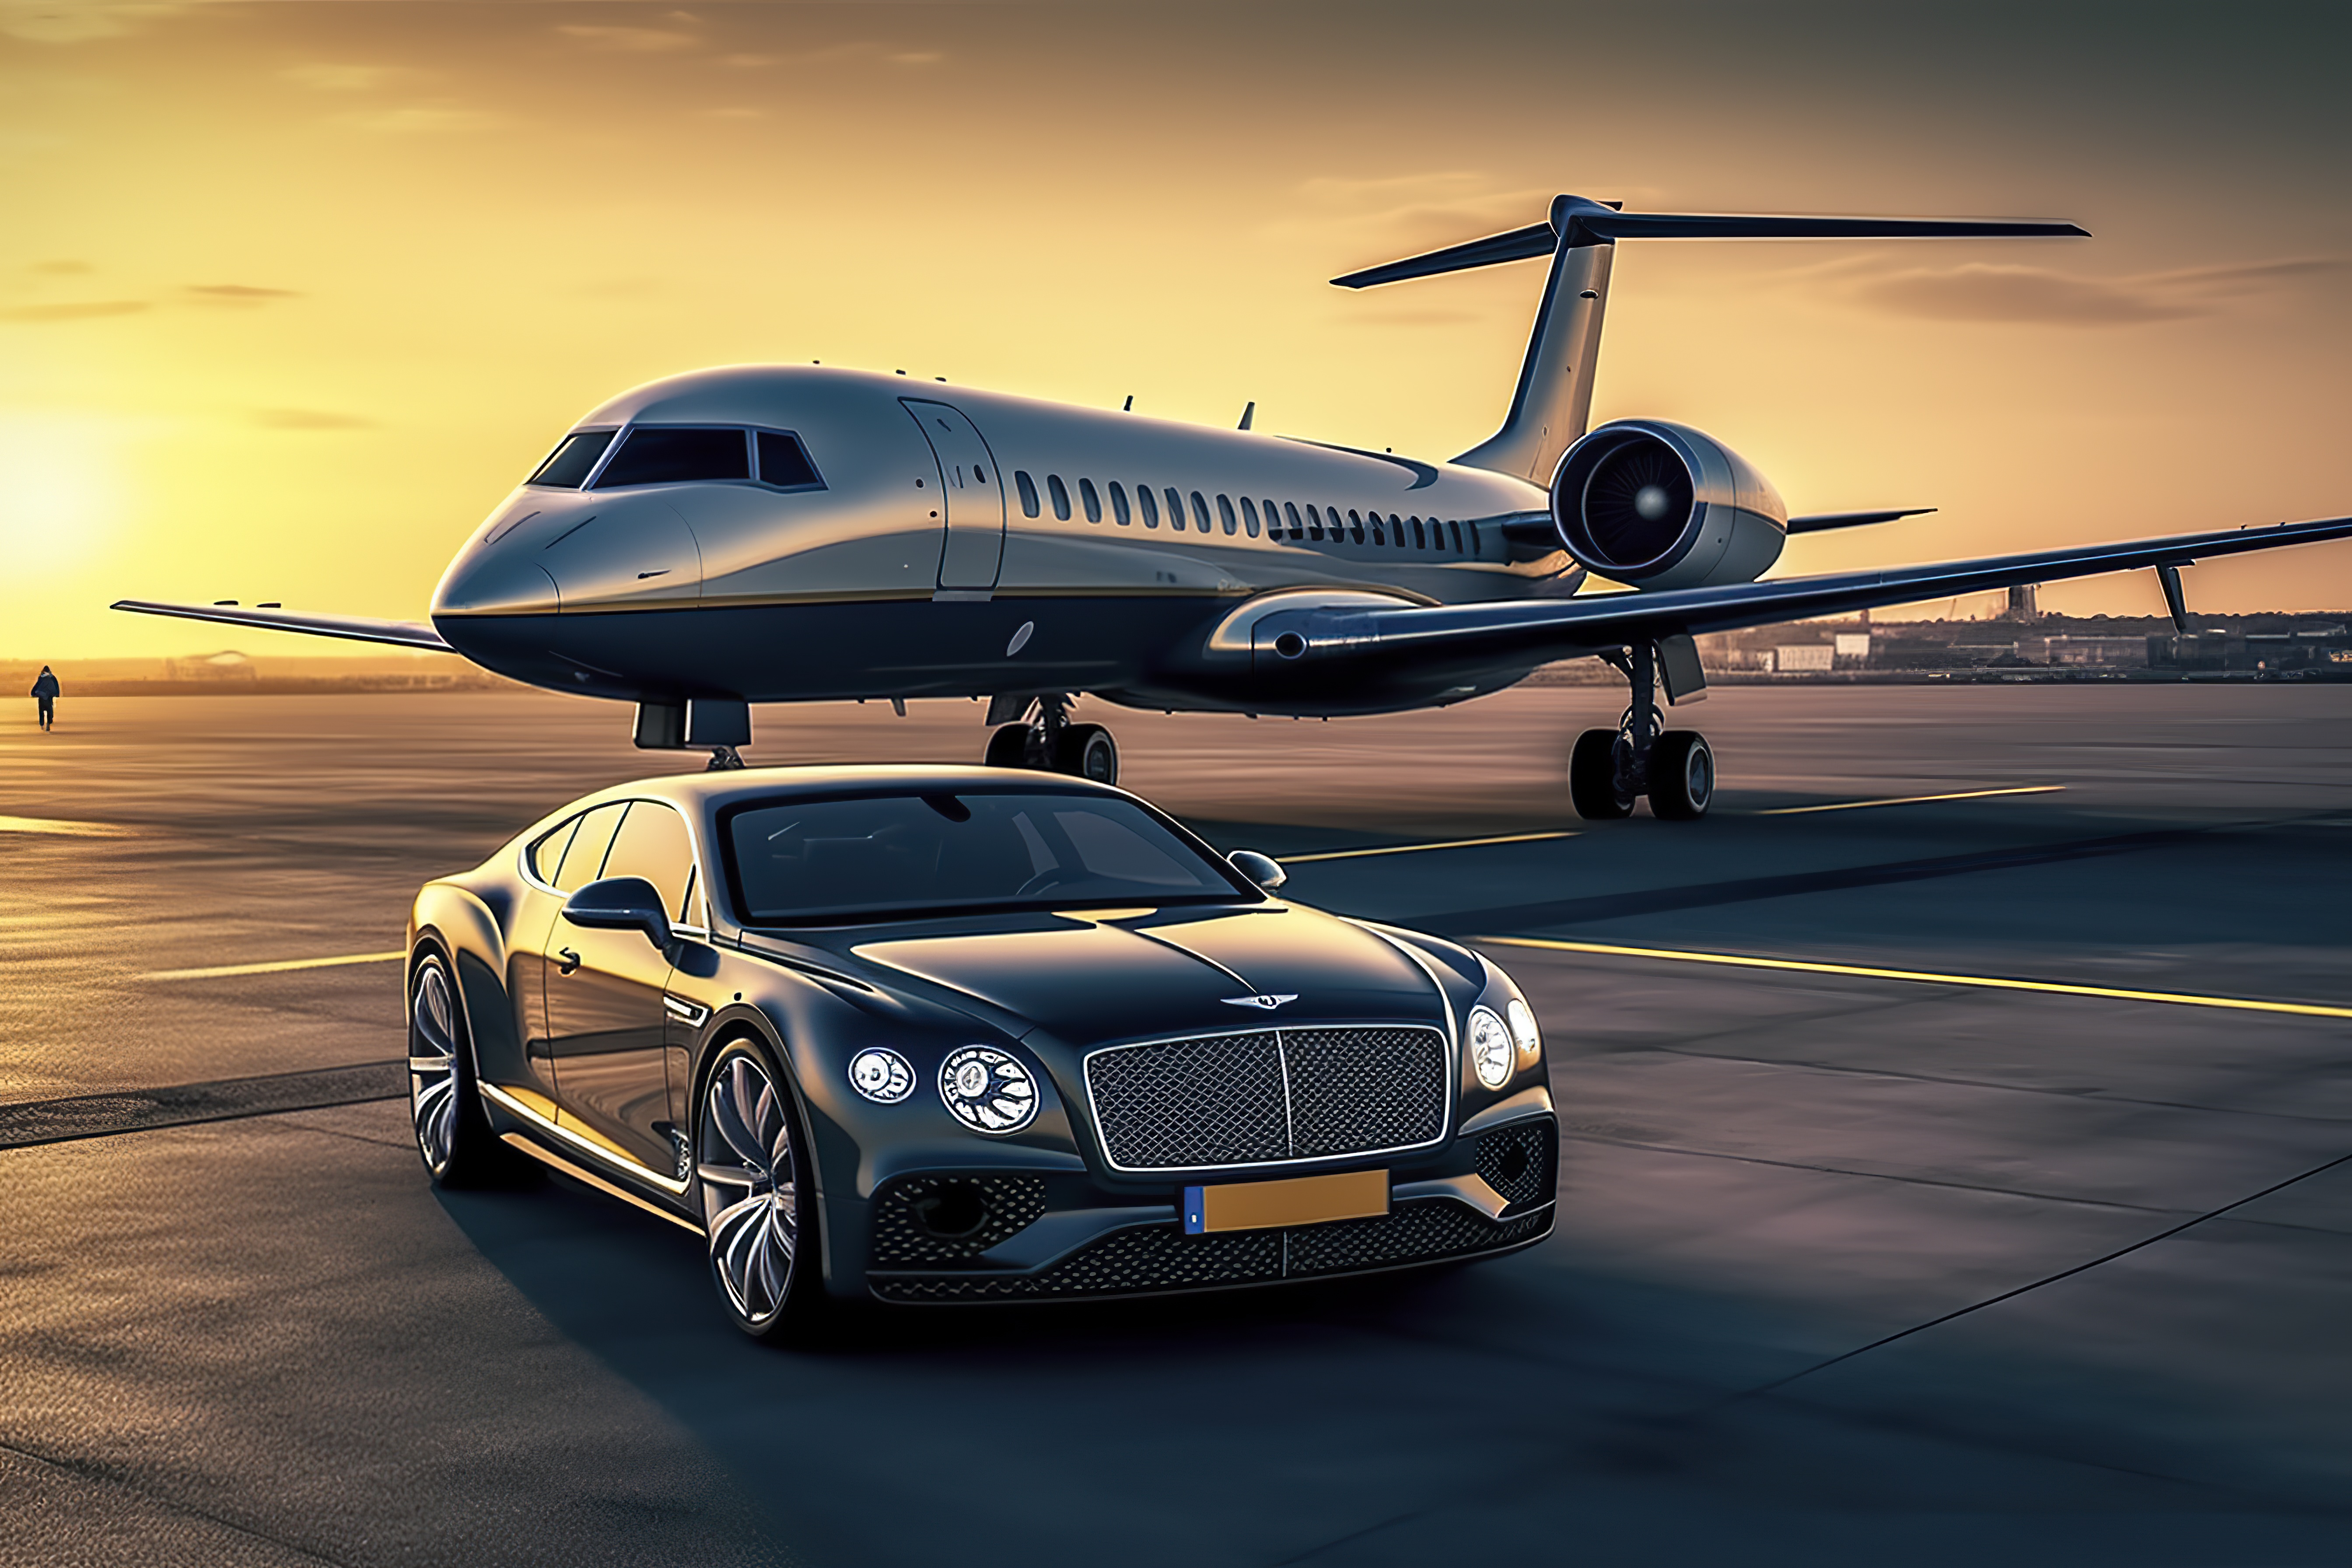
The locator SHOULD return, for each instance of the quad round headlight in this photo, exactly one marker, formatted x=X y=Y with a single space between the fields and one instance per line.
x=881 y=1074
x=987 y=1090
x=1492 y=1053
x=1523 y=1027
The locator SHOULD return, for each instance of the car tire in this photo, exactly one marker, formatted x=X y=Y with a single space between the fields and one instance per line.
x=1087 y=751
x=1592 y=778
x=444 y=1102
x=753 y=1175
x=1682 y=775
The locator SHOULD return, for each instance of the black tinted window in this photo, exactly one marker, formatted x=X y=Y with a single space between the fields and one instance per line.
x=659 y=455
x=1118 y=502
x=1028 y=489
x=1092 y=502
x=784 y=460
x=799 y=861
x=568 y=467
x=1150 y=507
x=1060 y=493
x=1176 y=511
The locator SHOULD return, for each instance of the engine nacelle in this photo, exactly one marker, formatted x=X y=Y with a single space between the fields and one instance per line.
x=1660 y=505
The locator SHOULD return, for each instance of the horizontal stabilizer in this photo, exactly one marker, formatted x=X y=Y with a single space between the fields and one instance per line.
x=400 y=634
x=1821 y=521
x=1583 y=221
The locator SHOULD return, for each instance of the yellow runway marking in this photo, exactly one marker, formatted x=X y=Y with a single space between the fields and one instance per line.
x=1982 y=981
x=1913 y=799
x=1416 y=848
x=63 y=828
x=279 y=967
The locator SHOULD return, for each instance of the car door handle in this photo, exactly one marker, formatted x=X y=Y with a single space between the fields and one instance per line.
x=571 y=961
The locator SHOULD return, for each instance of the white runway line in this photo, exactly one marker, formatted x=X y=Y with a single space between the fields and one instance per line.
x=1913 y=799
x=63 y=828
x=1925 y=977
x=278 y=967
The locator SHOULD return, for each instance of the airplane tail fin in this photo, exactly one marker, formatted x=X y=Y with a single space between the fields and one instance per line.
x=1554 y=400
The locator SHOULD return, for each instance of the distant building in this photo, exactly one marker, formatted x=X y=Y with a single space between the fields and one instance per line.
x=227 y=664
x=2025 y=602
x=1790 y=657
x=1853 y=645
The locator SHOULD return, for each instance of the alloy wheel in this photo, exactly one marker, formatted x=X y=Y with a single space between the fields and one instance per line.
x=749 y=1178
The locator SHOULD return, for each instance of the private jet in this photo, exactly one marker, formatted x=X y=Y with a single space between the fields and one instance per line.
x=800 y=533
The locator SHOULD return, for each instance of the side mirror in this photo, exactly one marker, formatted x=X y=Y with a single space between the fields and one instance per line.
x=1264 y=870
x=621 y=903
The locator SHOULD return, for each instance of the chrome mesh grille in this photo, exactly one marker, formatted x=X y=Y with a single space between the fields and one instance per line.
x=1269 y=1095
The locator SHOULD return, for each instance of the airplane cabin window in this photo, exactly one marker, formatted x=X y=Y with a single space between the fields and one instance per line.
x=1176 y=511
x=1060 y=494
x=1314 y=521
x=569 y=466
x=1475 y=548
x=1249 y=516
x=1455 y=528
x=1151 y=506
x=1290 y=512
x=1379 y=537
x=1090 y=500
x=1119 y=503
x=1226 y=514
x=1199 y=513
x=1028 y=489
x=1420 y=540
x=783 y=461
x=1355 y=525
x=675 y=455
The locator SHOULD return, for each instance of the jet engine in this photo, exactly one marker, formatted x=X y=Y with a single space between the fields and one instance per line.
x=1659 y=505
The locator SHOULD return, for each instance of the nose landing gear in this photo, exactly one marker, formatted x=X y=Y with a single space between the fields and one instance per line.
x=1608 y=770
x=1049 y=743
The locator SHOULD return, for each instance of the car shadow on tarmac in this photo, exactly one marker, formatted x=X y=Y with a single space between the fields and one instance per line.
x=1521 y=1404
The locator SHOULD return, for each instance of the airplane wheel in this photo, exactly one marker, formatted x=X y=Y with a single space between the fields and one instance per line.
x=1682 y=775
x=1086 y=751
x=1009 y=747
x=1592 y=778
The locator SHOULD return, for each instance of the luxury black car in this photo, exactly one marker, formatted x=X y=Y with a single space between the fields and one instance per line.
x=935 y=1034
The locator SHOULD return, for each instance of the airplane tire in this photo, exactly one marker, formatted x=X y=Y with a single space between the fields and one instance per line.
x=1087 y=751
x=1008 y=748
x=1682 y=775
x=1592 y=778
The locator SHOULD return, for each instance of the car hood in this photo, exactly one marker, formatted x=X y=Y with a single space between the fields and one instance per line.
x=1099 y=975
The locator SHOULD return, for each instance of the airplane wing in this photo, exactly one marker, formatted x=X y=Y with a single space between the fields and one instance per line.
x=400 y=634
x=1547 y=629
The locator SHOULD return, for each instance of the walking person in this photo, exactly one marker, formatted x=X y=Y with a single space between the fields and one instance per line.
x=44 y=692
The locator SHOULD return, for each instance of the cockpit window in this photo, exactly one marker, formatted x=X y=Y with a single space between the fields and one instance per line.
x=675 y=455
x=569 y=466
x=783 y=461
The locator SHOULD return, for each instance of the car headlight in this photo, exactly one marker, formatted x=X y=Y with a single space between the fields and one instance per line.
x=881 y=1075
x=987 y=1090
x=1492 y=1052
x=1522 y=1020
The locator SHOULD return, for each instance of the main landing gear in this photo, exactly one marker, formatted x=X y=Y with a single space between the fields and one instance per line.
x=1610 y=769
x=1045 y=739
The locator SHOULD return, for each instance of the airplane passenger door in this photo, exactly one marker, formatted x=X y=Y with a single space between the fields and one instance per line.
x=972 y=496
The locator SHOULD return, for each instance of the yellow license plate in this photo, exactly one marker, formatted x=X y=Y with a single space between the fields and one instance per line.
x=1301 y=1200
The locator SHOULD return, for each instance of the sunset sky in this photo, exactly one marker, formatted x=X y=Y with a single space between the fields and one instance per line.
x=291 y=294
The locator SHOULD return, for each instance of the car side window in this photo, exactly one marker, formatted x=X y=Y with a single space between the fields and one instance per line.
x=545 y=856
x=653 y=844
x=583 y=859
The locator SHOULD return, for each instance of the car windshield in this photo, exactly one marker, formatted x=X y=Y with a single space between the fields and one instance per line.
x=800 y=862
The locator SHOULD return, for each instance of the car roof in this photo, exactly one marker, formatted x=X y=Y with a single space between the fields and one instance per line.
x=711 y=790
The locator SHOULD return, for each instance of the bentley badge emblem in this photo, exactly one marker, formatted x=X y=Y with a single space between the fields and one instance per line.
x=1266 y=1004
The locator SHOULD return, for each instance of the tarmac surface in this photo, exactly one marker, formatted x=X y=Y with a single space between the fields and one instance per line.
x=1853 y=1267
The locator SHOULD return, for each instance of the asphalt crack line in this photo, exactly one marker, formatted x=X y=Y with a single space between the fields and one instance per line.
x=2010 y=1295
x=94 y=1475
x=32 y=1123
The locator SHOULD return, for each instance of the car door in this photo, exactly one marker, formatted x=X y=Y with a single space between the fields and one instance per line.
x=561 y=862
x=605 y=1021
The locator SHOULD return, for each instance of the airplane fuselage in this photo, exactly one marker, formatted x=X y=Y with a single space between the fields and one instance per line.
x=954 y=543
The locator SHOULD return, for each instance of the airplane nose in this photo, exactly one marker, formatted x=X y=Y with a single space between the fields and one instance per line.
x=487 y=580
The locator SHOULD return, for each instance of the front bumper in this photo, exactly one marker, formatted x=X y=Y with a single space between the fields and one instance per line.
x=1013 y=1235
